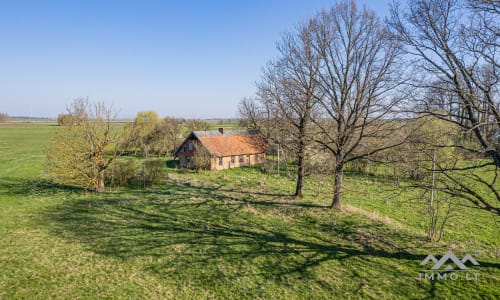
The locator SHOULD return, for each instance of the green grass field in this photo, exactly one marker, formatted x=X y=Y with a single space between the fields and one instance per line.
x=227 y=234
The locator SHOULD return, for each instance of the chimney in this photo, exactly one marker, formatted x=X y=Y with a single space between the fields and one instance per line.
x=221 y=130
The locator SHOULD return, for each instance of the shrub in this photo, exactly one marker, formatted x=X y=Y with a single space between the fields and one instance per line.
x=131 y=173
x=269 y=167
x=201 y=159
x=65 y=119
x=153 y=171
x=122 y=173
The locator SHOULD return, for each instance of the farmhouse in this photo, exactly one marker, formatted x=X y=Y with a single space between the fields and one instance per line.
x=222 y=149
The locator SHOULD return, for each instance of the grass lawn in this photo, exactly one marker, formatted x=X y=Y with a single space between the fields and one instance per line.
x=227 y=234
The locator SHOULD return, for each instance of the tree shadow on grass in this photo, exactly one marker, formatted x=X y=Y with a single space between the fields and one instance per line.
x=204 y=236
x=13 y=186
x=249 y=197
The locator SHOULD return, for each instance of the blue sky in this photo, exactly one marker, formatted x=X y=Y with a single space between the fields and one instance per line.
x=192 y=59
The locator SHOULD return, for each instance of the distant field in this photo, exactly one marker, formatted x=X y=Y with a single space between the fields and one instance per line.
x=17 y=122
x=228 y=234
x=214 y=124
x=227 y=124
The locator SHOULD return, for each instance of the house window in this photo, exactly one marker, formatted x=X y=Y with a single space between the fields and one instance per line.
x=220 y=161
x=232 y=159
x=248 y=157
x=256 y=157
x=188 y=159
x=241 y=158
x=190 y=146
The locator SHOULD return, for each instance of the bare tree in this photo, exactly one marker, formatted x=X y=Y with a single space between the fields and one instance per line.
x=260 y=113
x=172 y=129
x=289 y=85
x=251 y=113
x=264 y=115
x=454 y=46
x=489 y=6
x=81 y=152
x=358 y=80
x=165 y=136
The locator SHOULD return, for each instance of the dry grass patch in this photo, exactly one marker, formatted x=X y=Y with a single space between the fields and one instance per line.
x=373 y=216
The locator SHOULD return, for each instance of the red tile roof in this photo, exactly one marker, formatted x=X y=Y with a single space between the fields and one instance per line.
x=231 y=142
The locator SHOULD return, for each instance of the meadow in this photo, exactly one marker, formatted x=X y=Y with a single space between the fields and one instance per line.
x=228 y=234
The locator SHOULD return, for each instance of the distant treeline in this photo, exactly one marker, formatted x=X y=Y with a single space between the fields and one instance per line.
x=4 y=117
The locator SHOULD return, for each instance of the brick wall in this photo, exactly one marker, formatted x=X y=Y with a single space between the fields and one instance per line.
x=234 y=161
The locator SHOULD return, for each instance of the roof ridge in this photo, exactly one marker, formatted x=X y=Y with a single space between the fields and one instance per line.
x=226 y=132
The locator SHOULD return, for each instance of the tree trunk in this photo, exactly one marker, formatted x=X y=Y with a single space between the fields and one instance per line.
x=300 y=171
x=495 y=154
x=337 y=194
x=100 y=182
